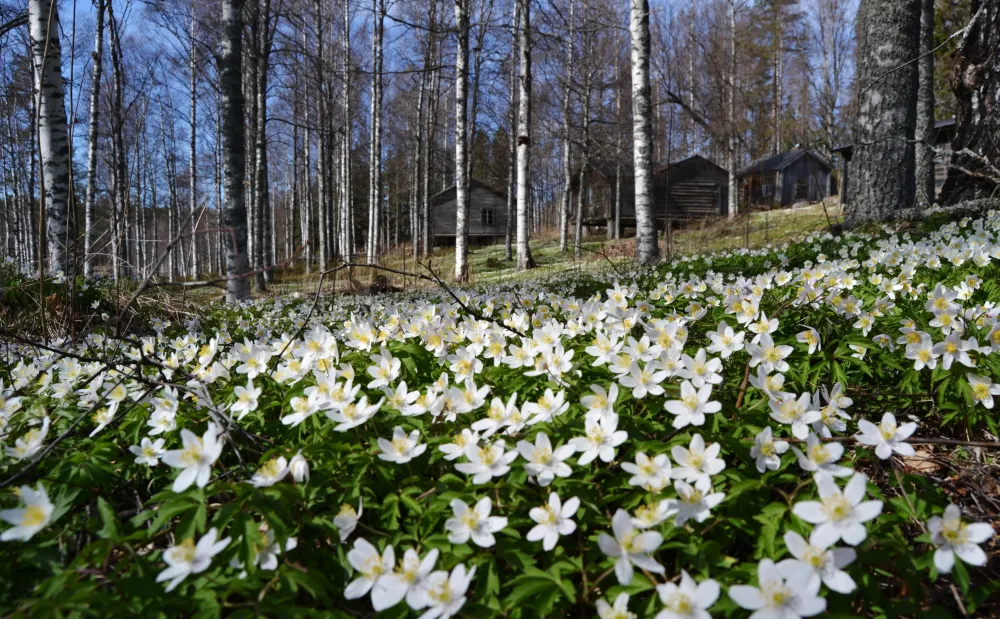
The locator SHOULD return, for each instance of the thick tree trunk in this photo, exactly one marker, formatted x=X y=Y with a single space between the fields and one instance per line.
x=461 y=142
x=883 y=160
x=925 y=134
x=234 y=215
x=567 y=142
x=53 y=144
x=647 y=250
x=975 y=171
x=524 y=259
x=95 y=108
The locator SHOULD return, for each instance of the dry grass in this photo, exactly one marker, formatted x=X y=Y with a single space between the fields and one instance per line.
x=488 y=265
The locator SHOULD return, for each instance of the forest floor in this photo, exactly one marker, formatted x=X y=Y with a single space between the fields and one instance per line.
x=488 y=264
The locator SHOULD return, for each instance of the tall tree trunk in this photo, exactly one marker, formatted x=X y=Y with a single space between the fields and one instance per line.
x=263 y=237
x=975 y=81
x=924 y=137
x=647 y=250
x=615 y=226
x=418 y=166
x=95 y=108
x=777 y=70
x=53 y=144
x=524 y=259
x=567 y=142
x=585 y=155
x=733 y=190
x=883 y=159
x=512 y=116
x=234 y=215
x=346 y=173
x=119 y=218
x=375 y=158
x=461 y=142
x=193 y=147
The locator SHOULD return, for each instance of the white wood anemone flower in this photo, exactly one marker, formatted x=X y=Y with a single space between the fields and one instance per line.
x=30 y=519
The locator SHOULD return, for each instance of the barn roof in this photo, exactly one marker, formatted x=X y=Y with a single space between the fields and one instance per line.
x=780 y=161
x=473 y=184
x=688 y=160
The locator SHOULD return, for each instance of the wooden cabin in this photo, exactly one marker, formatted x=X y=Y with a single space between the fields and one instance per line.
x=944 y=133
x=689 y=189
x=487 y=215
x=693 y=188
x=797 y=175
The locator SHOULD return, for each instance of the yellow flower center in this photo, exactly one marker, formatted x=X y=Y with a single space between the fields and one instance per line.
x=33 y=516
x=837 y=507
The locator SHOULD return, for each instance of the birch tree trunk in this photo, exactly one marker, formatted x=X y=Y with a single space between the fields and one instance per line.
x=461 y=142
x=883 y=161
x=375 y=169
x=234 y=215
x=924 y=137
x=524 y=259
x=733 y=190
x=119 y=220
x=429 y=117
x=347 y=206
x=95 y=109
x=647 y=250
x=53 y=144
x=264 y=248
x=976 y=84
x=584 y=156
x=193 y=146
x=567 y=143
x=418 y=148
x=512 y=116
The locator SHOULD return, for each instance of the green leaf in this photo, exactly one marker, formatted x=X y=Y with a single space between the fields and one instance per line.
x=109 y=528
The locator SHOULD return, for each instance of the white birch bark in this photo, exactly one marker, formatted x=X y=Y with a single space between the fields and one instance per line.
x=647 y=249
x=193 y=146
x=461 y=142
x=733 y=206
x=53 y=144
x=524 y=259
x=512 y=116
x=567 y=142
x=95 y=94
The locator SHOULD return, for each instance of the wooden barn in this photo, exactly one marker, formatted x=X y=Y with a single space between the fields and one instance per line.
x=693 y=188
x=487 y=215
x=797 y=175
x=689 y=189
x=945 y=131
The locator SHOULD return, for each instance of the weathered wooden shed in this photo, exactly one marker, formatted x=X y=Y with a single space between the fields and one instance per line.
x=693 y=188
x=487 y=215
x=797 y=175
x=944 y=132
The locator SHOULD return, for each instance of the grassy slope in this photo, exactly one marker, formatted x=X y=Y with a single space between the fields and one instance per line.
x=487 y=264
